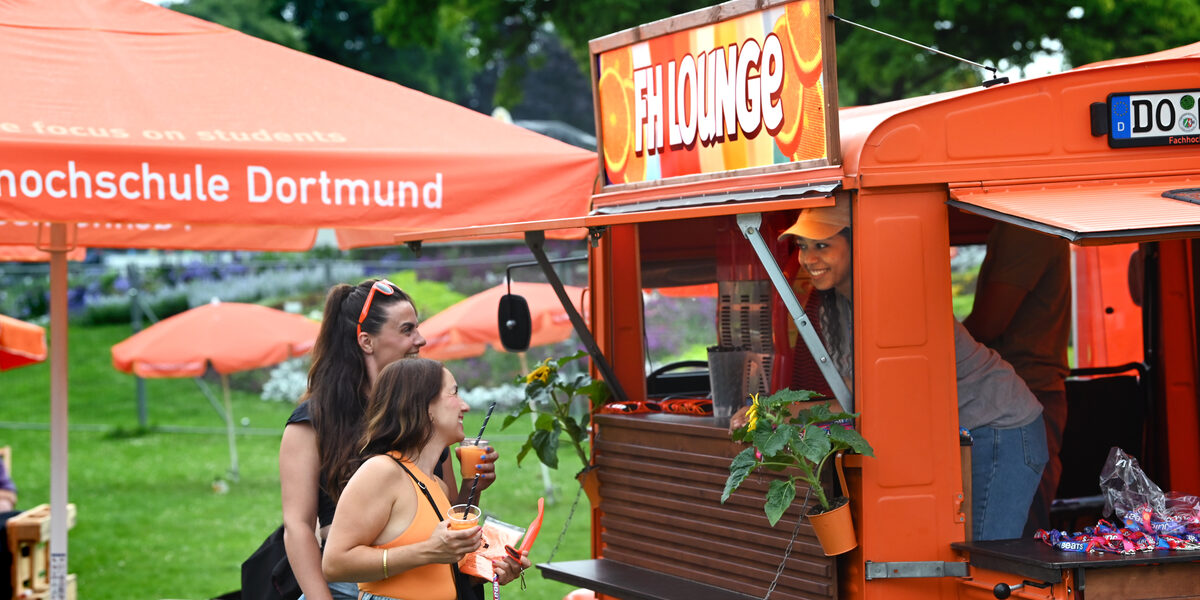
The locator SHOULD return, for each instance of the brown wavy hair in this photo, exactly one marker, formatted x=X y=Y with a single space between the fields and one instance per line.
x=398 y=409
x=338 y=383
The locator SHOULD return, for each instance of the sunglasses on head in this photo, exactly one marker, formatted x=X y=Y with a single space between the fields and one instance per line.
x=382 y=286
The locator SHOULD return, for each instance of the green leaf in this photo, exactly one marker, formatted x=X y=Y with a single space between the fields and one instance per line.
x=597 y=392
x=546 y=422
x=845 y=437
x=779 y=498
x=573 y=430
x=566 y=359
x=814 y=445
x=545 y=443
x=741 y=466
x=777 y=440
x=525 y=448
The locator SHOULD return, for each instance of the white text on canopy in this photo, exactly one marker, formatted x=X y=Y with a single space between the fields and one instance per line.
x=198 y=183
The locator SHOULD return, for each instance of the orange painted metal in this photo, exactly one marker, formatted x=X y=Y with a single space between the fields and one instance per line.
x=1125 y=210
x=1108 y=323
x=1179 y=410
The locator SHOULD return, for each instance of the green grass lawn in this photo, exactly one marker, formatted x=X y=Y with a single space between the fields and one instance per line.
x=151 y=526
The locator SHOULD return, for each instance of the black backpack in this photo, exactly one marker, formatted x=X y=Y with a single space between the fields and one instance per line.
x=267 y=574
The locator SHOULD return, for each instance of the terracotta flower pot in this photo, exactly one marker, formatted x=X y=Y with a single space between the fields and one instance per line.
x=834 y=528
x=589 y=478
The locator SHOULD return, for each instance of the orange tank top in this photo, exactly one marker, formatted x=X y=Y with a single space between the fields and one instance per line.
x=428 y=582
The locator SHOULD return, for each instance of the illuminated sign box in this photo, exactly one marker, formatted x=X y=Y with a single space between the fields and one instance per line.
x=734 y=89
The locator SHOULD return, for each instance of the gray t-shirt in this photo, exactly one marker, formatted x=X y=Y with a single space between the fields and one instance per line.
x=989 y=391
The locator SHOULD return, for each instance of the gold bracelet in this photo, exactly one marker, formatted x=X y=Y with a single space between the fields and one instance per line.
x=385 y=563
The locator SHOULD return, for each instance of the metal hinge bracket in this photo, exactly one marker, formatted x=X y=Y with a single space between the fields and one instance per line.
x=909 y=569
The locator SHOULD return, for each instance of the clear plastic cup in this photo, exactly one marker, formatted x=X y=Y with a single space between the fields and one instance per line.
x=462 y=516
x=470 y=453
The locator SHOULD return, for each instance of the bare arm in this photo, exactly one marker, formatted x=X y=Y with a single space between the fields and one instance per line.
x=378 y=493
x=995 y=304
x=299 y=477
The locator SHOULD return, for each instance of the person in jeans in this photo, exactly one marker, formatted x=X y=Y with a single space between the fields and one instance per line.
x=1022 y=311
x=1004 y=417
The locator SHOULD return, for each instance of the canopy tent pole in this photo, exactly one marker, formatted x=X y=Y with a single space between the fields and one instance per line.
x=58 y=411
x=233 y=465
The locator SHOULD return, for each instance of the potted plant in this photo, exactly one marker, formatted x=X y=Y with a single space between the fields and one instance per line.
x=803 y=442
x=551 y=393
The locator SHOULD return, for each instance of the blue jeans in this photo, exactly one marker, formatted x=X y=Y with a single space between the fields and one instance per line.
x=341 y=590
x=1006 y=466
x=370 y=596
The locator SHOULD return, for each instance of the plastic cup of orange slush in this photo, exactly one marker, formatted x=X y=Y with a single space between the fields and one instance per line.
x=462 y=516
x=470 y=453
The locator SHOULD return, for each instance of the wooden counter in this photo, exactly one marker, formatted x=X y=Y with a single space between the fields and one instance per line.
x=661 y=478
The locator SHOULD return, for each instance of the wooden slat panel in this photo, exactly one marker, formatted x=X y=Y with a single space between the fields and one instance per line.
x=661 y=480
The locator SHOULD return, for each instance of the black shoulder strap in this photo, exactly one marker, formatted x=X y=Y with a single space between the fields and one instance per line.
x=420 y=484
x=462 y=589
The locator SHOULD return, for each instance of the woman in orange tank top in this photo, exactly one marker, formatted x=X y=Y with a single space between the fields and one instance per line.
x=385 y=533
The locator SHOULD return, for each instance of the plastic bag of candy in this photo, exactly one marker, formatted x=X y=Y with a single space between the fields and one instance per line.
x=1142 y=505
x=1126 y=488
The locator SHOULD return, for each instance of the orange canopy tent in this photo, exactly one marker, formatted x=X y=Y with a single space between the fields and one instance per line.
x=228 y=336
x=122 y=112
x=21 y=343
x=468 y=327
x=30 y=253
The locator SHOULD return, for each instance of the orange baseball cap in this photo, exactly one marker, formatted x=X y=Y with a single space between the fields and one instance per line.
x=820 y=223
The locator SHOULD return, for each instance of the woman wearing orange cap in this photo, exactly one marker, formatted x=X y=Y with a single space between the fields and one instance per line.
x=1004 y=417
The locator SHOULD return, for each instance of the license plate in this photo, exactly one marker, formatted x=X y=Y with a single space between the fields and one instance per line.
x=1165 y=118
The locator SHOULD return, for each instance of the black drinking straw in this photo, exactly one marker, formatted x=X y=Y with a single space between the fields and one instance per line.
x=485 y=421
x=471 y=496
x=475 y=480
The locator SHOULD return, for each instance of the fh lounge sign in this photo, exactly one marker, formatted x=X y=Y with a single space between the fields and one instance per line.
x=718 y=93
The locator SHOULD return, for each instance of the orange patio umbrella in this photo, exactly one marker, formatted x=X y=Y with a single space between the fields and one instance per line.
x=21 y=343
x=30 y=253
x=468 y=327
x=226 y=336
x=124 y=113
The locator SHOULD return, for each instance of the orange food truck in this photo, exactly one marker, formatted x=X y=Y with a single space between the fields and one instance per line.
x=716 y=127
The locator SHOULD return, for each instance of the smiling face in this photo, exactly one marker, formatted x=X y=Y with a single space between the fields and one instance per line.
x=398 y=338
x=827 y=261
x=446 y=411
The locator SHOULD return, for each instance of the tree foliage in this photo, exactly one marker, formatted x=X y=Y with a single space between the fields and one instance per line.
x=252 y=17
x=872 y=68
x=508 y=32
x=532 y=55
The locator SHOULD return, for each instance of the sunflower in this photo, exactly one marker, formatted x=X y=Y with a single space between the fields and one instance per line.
x=752 y=413
x=541 y=373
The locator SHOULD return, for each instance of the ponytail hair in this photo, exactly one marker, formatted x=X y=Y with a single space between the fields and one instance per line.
x=338 y=382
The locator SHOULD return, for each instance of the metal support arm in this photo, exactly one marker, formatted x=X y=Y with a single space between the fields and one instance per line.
x=536 y=240
x=749 y=224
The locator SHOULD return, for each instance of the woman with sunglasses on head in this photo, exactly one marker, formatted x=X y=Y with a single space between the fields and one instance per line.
x=364 y=328
x=390 y=531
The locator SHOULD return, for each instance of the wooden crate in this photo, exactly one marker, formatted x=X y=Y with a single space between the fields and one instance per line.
x=28 y=541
